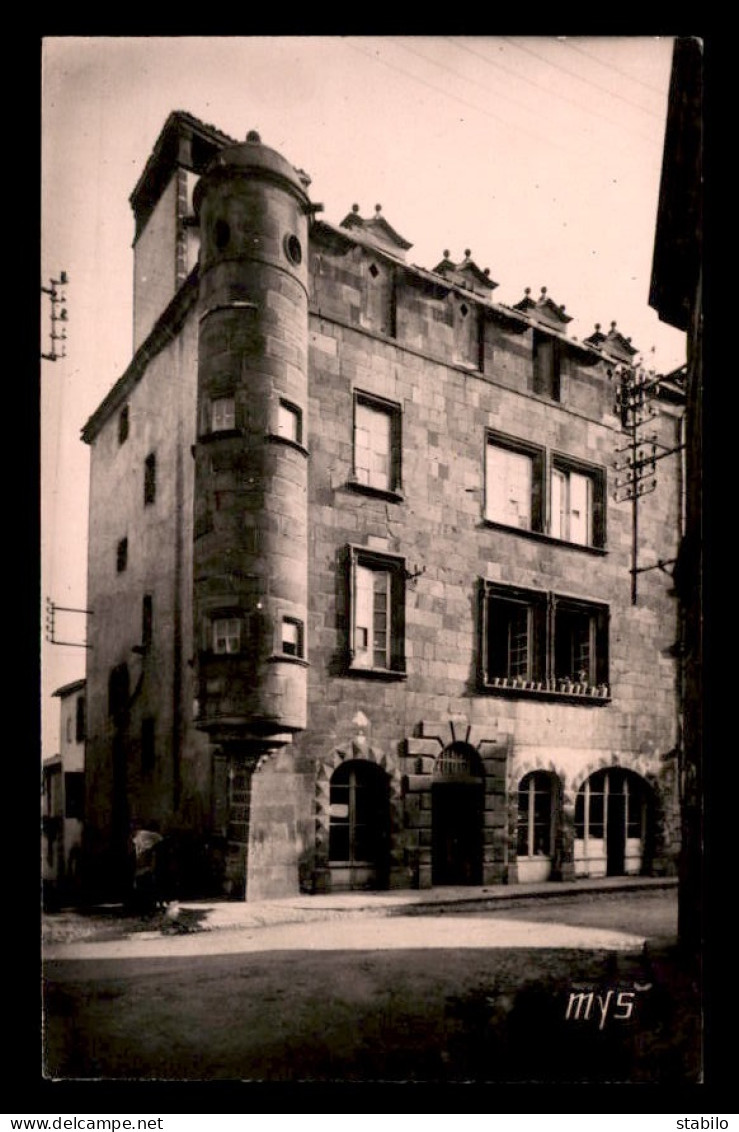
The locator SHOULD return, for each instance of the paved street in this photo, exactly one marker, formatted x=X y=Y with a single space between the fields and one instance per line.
x=452 y=995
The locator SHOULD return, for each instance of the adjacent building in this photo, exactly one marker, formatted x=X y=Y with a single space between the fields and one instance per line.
x=63 y=800
x=361 y=588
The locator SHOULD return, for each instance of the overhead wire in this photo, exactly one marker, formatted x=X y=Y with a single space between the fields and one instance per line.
x=548 y=90
x=581 y=78
x=610 y=66
x=515 y=127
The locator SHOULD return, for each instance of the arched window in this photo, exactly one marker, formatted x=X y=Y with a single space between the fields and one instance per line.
x=612 y=824
x=358 y=815
x=535 y=815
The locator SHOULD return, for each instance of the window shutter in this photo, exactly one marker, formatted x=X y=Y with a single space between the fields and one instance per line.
x=538 y=641
x=537 y=493
x=397 y=619
x=599 y=509
x=601 y=646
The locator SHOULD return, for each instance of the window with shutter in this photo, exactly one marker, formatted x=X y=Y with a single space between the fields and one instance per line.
x=576 y=502
x=377 y=613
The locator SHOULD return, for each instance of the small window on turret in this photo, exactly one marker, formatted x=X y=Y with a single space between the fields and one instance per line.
x=293 y=250
x=222 y=414
x=289 y=422
x=226 y=635
x=292 y=637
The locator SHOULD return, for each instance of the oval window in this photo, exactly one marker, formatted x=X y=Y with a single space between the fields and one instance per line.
x=293 y=250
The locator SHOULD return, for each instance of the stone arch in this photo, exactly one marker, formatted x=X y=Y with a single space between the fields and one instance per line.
x=560 y=819
x=363 y=752
x=456 y=758
x=626 y=836
x=421 y=754
x=638 y=764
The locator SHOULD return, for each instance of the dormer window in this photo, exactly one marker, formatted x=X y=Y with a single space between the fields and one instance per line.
x=546 y=355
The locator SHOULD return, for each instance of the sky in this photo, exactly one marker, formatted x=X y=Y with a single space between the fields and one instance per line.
x=542 y=155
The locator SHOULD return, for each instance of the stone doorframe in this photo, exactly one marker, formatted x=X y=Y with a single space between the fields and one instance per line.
x=361 y=750
x=420 y=753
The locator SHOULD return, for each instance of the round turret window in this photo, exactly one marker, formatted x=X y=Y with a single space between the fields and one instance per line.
x=293 y=250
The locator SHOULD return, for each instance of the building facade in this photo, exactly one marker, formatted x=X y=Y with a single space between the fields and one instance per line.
x=361 y=590
x=63 y=801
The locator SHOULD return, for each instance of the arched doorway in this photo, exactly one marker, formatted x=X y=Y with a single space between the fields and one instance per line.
x=359 y=826
x=457 y=805
x=613 y=824
x=535 y=826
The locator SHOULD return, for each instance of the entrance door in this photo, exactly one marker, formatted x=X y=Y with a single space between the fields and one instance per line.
x=616 y=829
x=457 y=832
x=457 y=804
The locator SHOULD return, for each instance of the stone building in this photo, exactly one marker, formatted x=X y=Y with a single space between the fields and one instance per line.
x=63 y=800
x=361 y=591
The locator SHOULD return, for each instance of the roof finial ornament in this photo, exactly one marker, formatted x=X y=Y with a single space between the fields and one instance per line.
x=467 y=253
x=355 y=208
x=486 y=271
x=613 y=325
x=527 y=291
x=543 y=292
x=378 y=208
x=446 y=253
x=253 y=137
x=597 y=326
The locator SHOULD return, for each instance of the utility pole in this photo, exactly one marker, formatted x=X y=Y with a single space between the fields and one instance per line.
x=58 y=315
x=636 y=476
x=51 y=611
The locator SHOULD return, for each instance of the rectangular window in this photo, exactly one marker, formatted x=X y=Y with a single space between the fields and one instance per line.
x=222 y=414
x=377 y=443
x=74 y=794
x=577 y=503
x=147 y=620
x=226 y=635
x=513 y=472
x=546 y=366
x=123 y=425
x=148 y=745
x=121 y=559
x=290 y=422
x=150 y=478
x=377 y=612
x=514 y=635
x=543 y=642
x=118 y=690
x=580 y=646
x=292 y=637
x=80 y=720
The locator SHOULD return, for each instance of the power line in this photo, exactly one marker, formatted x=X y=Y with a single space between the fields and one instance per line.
x=611 y=66
x=541 y=86
x=464 y=78
x=580 y=78
x=514 y=126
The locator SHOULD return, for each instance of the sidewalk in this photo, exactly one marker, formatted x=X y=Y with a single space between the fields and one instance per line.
x=214 y=914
